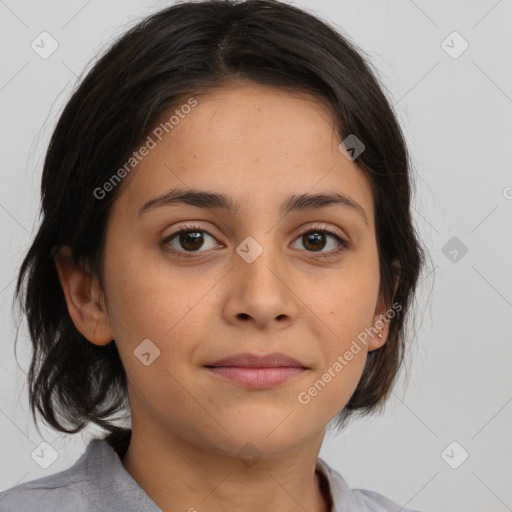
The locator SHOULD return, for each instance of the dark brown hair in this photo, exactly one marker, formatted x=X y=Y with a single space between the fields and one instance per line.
x=179 y=52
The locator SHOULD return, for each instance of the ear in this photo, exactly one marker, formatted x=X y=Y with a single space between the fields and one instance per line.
x=381 y=320
x=83 y=298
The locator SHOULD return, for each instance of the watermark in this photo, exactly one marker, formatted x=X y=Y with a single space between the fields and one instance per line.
x=454 y=455
x=249 y=249
x=454 y=249
x=454 y=45
x=304 y=397
x=146 y=352
x=351 y=147
x=44 y=45
x=44 y=455
x=249 y=454
x=149 y=144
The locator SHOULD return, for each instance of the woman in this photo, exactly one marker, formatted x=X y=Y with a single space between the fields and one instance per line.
x=226 y=254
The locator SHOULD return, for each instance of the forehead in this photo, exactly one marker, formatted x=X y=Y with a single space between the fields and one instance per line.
x=254 y=142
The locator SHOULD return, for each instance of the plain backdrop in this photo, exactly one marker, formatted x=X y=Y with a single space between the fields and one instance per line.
x=441 y=444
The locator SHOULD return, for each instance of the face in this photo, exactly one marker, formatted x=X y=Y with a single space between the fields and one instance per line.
x=256 y=279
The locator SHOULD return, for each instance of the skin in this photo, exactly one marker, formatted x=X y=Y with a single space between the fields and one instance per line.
x=257 y=144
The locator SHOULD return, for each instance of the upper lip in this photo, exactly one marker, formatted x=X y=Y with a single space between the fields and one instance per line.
x=254 y=361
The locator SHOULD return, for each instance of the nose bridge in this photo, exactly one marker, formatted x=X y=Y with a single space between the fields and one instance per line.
x=262 y=291
x=259 y=257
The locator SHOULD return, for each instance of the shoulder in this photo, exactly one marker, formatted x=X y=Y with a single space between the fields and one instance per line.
x=97 y=481
x=356 y=500
x=372 y=501
x=68 y=490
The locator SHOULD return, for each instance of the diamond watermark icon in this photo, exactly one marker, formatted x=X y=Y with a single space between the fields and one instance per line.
x=44 y=455
x=249 y=454
x=147 y=352
x=249 y=249
x=44 y=45
x=454 y=455
x=454 y=249
x=454 y=45
x=351 y=147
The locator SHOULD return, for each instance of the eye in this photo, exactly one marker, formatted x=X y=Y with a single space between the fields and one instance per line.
x=314 y=240
x=190 y=238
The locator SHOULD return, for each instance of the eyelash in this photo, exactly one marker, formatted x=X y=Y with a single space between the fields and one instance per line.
x=314 y=229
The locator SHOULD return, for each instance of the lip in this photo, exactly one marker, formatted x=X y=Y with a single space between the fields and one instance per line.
x=249 y=360
x=257 y=372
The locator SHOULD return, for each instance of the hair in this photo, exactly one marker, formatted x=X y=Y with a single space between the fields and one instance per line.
x=185 y=49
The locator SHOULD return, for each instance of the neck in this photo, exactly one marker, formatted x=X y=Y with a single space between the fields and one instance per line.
x=178 y=475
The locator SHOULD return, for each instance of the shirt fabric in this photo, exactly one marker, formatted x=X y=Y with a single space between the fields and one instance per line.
x=98 y=482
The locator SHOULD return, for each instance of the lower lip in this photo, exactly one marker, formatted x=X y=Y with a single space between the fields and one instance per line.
x=258 y=378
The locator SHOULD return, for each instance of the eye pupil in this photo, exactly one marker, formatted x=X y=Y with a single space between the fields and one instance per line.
x=196 y=238
x=315 y=238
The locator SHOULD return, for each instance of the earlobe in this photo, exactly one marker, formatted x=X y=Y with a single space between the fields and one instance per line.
x=83 y=299
x=379 y=338
x=380 y=320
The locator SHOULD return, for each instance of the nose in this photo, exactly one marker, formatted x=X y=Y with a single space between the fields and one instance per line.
x=260 y=288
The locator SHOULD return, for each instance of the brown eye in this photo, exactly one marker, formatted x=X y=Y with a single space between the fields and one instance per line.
x=315 y=240
x=188 y=239
x=191 y=240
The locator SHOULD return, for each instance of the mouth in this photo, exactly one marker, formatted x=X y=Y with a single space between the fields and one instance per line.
x=257 y=372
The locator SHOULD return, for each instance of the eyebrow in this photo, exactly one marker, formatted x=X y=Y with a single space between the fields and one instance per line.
x=212 y=200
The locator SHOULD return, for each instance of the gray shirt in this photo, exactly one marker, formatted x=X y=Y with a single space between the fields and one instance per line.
x=98 y=481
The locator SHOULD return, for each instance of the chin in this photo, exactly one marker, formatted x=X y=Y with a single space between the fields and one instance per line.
x=258 y=439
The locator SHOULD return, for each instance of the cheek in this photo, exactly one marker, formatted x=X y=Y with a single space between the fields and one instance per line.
x=343 y=303
x=145 y=295
x=151 y=300
x=327 y=392
x=343 y=307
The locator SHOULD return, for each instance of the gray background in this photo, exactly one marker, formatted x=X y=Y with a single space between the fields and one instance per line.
x=456 y=115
